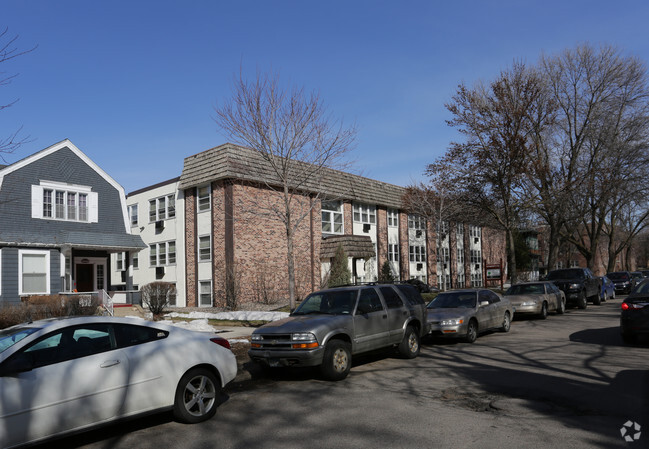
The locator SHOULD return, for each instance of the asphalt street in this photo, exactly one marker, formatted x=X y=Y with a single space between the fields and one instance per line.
x=568 y=381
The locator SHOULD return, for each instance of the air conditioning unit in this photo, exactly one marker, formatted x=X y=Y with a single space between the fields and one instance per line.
x=159 y=272
x=420 y=266
x=366 y=227
x=477 y=266
x=418 y=233
x=476 y=240
x=159 y=224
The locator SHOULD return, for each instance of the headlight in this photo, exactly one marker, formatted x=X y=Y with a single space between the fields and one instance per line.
x=574 y=286
x=453 y=322
x=528 y=303
x=256 y=337
x=303 y=336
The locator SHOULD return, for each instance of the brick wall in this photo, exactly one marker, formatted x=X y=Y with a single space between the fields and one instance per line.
x=381 y=237
x=190 y=247
x=404 y=266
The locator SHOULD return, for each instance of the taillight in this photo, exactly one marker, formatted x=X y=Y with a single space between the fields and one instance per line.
x=634 y=305
x=221 y=341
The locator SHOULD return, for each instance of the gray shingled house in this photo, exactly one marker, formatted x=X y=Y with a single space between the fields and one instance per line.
x=61 y=216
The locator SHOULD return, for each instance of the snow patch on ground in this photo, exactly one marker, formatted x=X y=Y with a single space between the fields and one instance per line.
x=240 y=315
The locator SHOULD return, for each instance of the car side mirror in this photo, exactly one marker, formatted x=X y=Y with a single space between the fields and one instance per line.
x=484 y=303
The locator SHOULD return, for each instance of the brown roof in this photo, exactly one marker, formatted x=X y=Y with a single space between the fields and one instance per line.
x=360 y=246
x=230 y=161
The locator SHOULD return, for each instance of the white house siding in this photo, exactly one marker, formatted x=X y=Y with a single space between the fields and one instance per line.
x=173 y=230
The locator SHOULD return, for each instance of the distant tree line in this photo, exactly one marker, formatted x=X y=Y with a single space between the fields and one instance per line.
x=563 y=143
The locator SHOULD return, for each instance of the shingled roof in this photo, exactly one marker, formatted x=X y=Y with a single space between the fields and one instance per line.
x=359 y=246
x=230 y=161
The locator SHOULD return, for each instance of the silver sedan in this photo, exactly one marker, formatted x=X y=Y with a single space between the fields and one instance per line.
x=466 y=313
x=536 y=298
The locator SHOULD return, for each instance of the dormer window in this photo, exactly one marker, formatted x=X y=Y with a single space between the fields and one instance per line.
x=60 y=201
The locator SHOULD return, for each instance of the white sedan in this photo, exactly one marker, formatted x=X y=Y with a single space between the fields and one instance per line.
x=64 y=375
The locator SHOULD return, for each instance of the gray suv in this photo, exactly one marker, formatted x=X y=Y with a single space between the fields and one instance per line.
x=331 y=325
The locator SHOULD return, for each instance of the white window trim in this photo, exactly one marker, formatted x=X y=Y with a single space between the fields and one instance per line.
x=165 y=247
x=130 y=216
x=200 y=302
x=198 y=247
x=92 y=200
x=209 y=199
x=158 y=215
x=362 y=208
x=394 y=214
x=332 y=222
x=20 y=271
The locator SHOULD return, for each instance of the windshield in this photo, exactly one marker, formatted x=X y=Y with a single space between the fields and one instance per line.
x=642 y=288
x=525 y=289
x=455 y=300
x=328 y=302
x=618 y=276
x=9 y=337
x=566 y=274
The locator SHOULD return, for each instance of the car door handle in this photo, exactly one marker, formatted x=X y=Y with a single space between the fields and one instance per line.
x=109 y=363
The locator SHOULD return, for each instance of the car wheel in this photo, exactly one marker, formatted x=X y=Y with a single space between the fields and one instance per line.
x=605 y=297
x=582 y=303
x=613 y=295
x=337 y=360
x=409 y=346
x=561 y=308
x=507 y=321
x=629 y=339
x=597 y=300
x=471 y=331
x=195 y=399
x=544 y=311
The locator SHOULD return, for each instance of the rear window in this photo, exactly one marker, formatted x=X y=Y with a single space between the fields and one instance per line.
x=411 y=293
x=570 y=273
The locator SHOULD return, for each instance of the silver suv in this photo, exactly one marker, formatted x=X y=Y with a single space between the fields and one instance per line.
x=331 y=325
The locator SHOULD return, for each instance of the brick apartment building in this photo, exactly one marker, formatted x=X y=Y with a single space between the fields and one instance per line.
x=216 y=218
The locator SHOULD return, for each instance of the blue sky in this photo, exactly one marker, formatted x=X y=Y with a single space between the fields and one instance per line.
x=134 y=83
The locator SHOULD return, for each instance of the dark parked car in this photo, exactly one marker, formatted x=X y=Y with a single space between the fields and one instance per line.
x=623 y=281
x=634 y=320
x=330 y=326
x=579 y=284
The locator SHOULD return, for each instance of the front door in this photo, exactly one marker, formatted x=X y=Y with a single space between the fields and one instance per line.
x=85 y=278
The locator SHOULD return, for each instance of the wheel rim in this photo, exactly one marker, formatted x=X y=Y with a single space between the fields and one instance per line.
x=472 y=332
x=199 y=396
x=544 y=310
x=340 y=360
x=413 y=344
x=506 y=322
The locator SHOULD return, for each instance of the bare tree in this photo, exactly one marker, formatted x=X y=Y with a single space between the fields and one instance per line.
x=9 y=51
x=296 y=137
x=498 y=122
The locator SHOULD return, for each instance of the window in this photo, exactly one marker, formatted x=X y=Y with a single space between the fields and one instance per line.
x=460 y=230
x=120 y=262
x=34 y=271
x=393 y=252
x=132 y=214
x=203 y=195
x=332 y=217
x=443 y=255
x=364 y=213
x=460 y=279
x=368 y=302
x=574 y=264
x=460 y=256
x=476 y=256
x=205 y=294
x=393 y=218
x=135 y=261
x=127 y=335
x=64 y=202
x=47 y=203
x=172 y=297
x=416 y=222
x=204 y=248
x=162 y=208
x=161 y=254
x=475 y=231
x=417 y=253
x=392 y=299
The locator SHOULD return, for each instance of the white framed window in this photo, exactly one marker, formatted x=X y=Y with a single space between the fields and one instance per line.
x=417 y=253
x=205 y=294
x=574 y=264
x=475 y=231
x=476 y=257
x=34 y=272
x=119 y=262
x=172 y=296
x=393 y=252
x=162 y=208
x=364 y=213
x=332 y=217
x=161 y=254
x=416 y=222
x=203 y=198
x=460 y=256
x=135 y=261
x=61 y=201
x=393 y=218
x=460 y=230
x=461 y=279
x=132 y=214
x=204 y=248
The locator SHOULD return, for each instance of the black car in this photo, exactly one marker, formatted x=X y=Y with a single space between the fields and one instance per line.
x=622 y=280
x=421 y=286
x=634 y=320
x=579 y=285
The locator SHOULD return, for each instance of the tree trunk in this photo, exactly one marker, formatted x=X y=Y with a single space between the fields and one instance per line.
x=511 y=257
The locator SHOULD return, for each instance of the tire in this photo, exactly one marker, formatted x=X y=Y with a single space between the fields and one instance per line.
x=561 y=307
x=582 y=303
x=544 y=311
x=597 y=300
x=507 y=321
x=471 y=332
x=409 y=346
x=337 y=360
x=196 y=395
x=613 y=295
